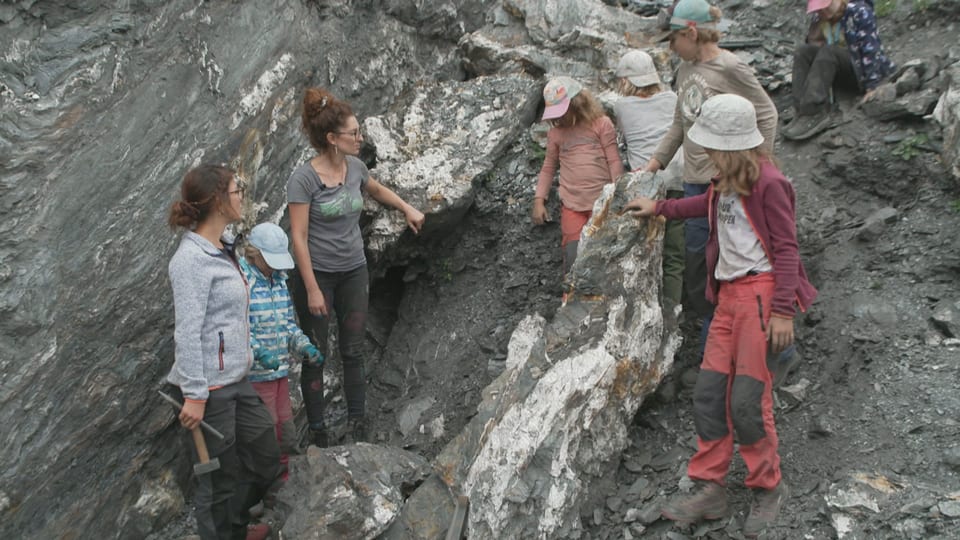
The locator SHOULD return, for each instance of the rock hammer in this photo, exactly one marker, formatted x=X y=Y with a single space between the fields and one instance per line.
x=206 y=465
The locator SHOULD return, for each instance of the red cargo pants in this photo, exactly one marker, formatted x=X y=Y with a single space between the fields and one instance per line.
x=733 y=390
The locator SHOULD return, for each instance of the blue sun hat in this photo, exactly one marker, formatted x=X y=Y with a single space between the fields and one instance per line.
x=272 y=243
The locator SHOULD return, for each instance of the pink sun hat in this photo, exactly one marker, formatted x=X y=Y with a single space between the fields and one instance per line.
x=817 y=5
x=556 y=96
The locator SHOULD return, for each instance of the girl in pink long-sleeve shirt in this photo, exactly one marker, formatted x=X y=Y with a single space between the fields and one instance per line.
x=583 y=143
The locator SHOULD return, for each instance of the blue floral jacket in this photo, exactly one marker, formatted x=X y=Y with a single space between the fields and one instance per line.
x=859 y=26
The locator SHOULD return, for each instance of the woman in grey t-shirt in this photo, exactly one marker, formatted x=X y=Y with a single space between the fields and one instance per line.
x=324 y=197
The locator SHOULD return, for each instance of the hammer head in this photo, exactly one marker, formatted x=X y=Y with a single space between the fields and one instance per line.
x=206 y=468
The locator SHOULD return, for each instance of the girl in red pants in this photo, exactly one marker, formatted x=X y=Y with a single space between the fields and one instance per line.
x=756 y=280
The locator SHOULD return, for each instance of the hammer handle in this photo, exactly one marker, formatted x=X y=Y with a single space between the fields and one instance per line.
x=201 y=445
x=210 y=429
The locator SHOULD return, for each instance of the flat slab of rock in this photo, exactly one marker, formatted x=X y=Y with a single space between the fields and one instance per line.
x=348 y=492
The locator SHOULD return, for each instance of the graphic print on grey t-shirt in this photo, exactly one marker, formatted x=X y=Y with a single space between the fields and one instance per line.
x=694 y=92
x=334 y=228
x=740 y=248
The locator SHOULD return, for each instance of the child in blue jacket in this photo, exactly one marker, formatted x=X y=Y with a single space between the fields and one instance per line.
x=274 y=334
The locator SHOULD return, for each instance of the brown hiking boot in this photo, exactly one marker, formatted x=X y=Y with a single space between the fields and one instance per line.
x=708 y=501
x=765 y=509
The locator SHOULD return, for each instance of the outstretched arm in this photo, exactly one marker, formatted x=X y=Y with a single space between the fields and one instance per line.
x=385 y=196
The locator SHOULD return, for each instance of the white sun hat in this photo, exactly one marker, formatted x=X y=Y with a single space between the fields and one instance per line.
x=726 y=122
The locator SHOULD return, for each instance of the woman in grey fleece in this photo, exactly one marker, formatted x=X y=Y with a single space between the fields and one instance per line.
x=212 y=357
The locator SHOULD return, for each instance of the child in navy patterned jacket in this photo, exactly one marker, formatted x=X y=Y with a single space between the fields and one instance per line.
x=274 y=333
x=842 y=50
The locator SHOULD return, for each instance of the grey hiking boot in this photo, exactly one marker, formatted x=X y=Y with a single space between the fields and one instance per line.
x=765 y=509
x=357 y=429
x=708 y=501
x=806 y=126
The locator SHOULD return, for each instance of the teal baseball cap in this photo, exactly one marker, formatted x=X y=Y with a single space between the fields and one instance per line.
x=691 y=14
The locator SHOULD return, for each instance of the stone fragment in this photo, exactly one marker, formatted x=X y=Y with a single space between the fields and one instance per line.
x=797 y=392
x=820 y=426
x=918 y=506
x=668 y=459
x=868 y=306
x=910 y=528
x=908 y=81
x=913 y=105
x=876 y=223
x=409 y=417
x=951 y=457
x=851 y=499
x=951 y=509
x=348 y=492
x=946 y=317
x=947 y=114
x=7 y=13
x=649 y=513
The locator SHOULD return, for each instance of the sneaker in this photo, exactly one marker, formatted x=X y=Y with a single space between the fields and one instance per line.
x=357 y=429
x=806 y=126
x=785 y=366
x=258 y=531
x=318 y=437
x=765 y=509
x=708 y=501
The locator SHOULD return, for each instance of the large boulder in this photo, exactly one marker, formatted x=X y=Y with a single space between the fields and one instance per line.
x=947 y=114
x=556 y=417
x=432 y=146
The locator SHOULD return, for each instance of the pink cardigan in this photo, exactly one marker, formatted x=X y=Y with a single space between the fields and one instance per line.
x=770 y=208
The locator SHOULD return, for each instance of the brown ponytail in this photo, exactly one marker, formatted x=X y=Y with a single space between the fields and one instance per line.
x=203 y=190
x=322 y=113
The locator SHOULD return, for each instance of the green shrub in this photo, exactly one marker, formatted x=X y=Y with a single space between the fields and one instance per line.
x=909 y=148
x=885 y=7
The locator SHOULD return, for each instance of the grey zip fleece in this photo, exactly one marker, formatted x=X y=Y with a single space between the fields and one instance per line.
x=212 y=305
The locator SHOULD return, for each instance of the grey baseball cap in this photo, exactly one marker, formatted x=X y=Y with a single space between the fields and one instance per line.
x=638 y=68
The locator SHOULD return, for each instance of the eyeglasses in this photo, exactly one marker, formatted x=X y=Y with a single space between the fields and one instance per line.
x=355 y=133
x=238 y=191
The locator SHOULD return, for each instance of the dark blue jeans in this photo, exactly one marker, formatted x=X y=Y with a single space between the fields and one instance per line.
x=696 y=233
x=347 y=296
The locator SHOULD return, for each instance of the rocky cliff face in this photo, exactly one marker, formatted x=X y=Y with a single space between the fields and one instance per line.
x=104 y=107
